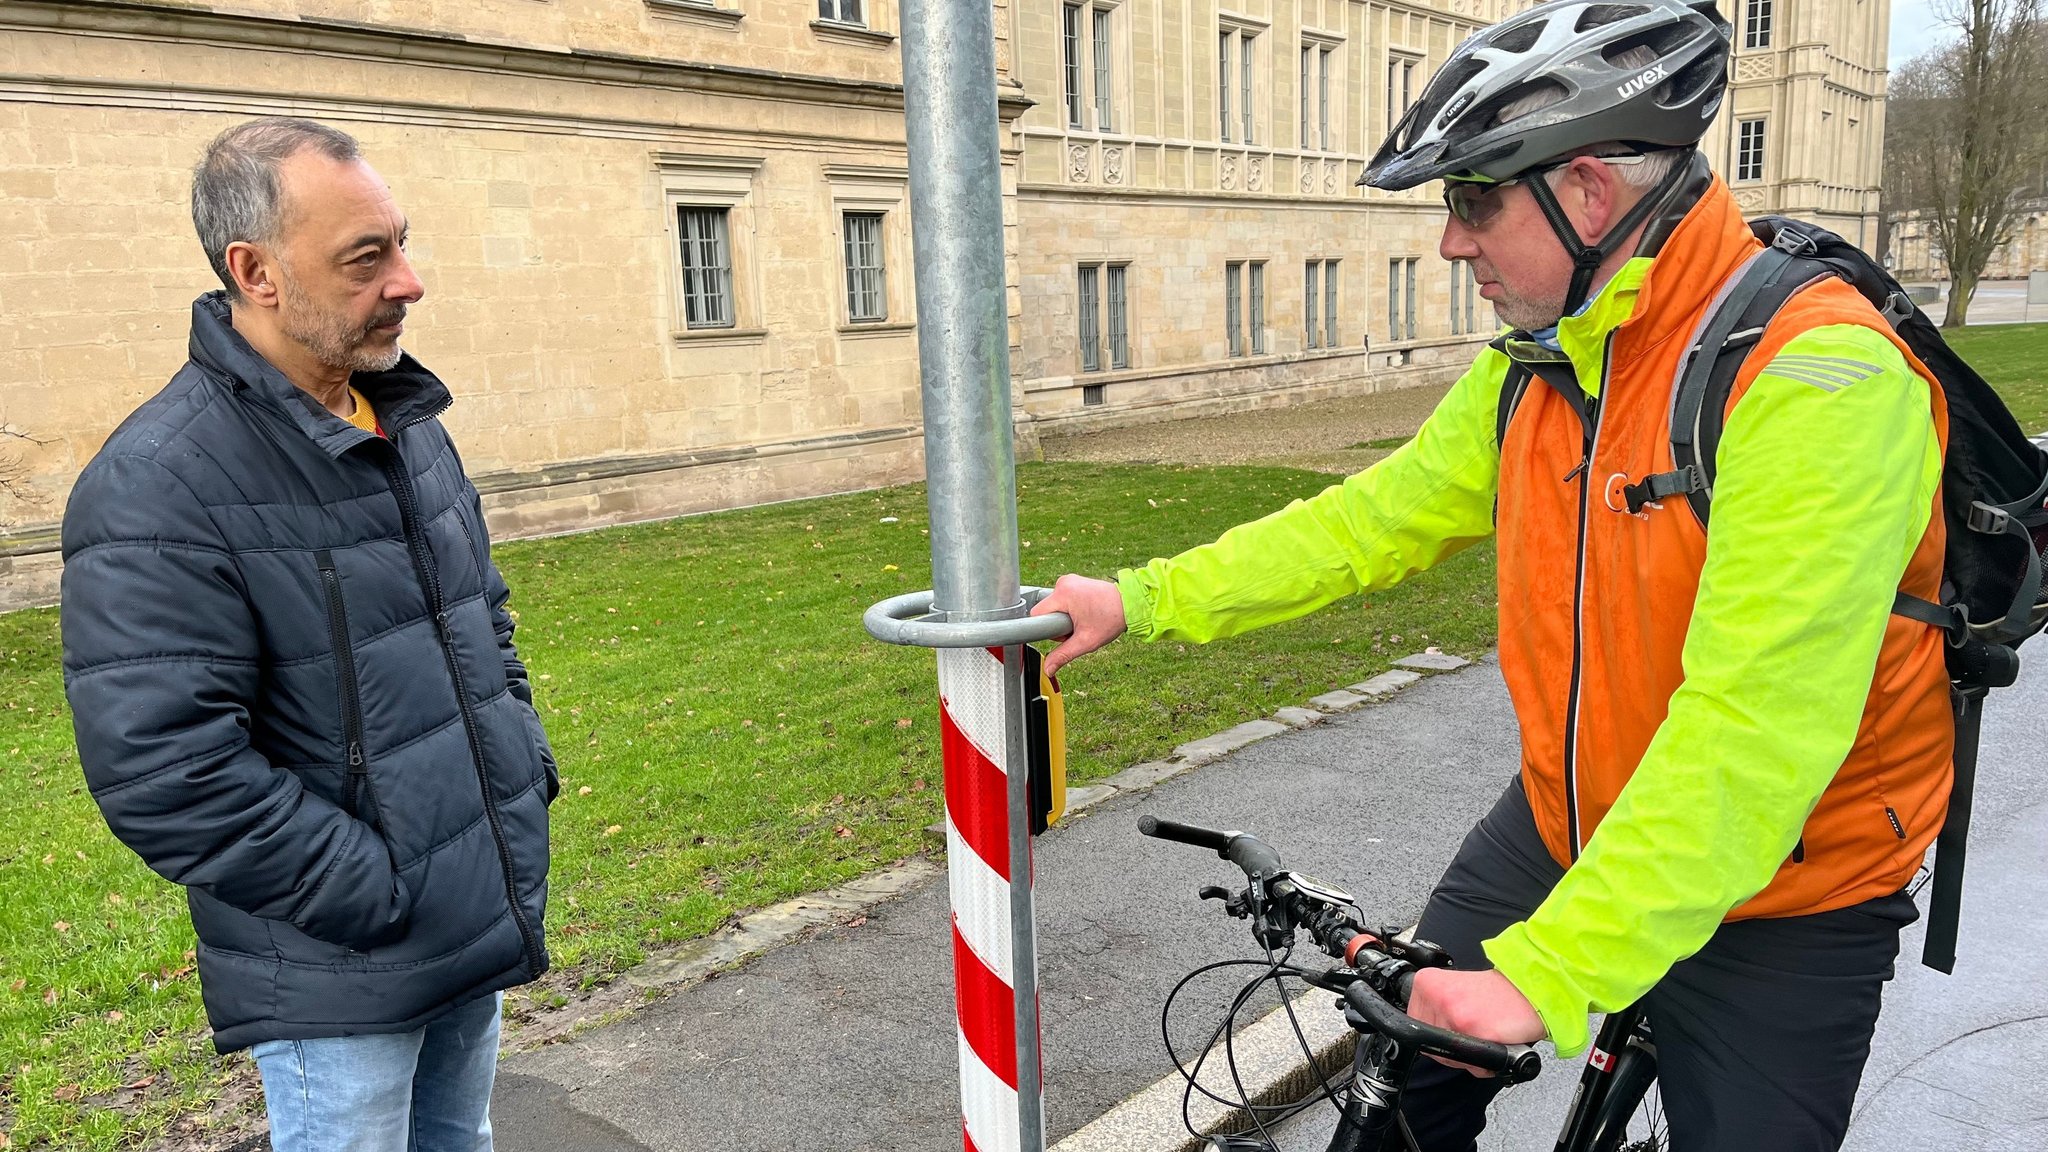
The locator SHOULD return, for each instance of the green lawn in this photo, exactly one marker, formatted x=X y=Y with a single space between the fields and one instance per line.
x=2014 y=358
x=728 y=735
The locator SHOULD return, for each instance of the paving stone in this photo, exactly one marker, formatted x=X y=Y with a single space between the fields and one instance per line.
x=1298 y=717
x=1083 y=797
x=1385 y=683
x=1432 y=661
x=1212 y=748
x=1336 y=701
x=1145 y=775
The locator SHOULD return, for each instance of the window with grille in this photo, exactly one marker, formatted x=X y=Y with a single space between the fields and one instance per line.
x=1091 y=318
x=1223 y=82
x=1311 y=298
x=866 y=299
x=1233 y=306
x=1401 y=298
x=841 y=12
x=1323 y=97
x=1234 y=108
x=1307 y=59
x=1119 y=318
x=1329 y=303
x=1464 y=293
x=1104 y=297
x=1070 y=39
x=1245 y=50
x=1408 y=299
x=1756 y=24
x=1400 y=87
x=1104 y=91
x=707 y=267
x=1258 y=309
x=1749 y=151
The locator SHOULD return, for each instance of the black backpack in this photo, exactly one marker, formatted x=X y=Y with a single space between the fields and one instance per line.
x=1994 y=495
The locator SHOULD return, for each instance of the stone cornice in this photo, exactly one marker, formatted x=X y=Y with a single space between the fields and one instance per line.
x=356 y=40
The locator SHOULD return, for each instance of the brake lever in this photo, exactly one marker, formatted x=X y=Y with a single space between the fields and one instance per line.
x=1236 y=904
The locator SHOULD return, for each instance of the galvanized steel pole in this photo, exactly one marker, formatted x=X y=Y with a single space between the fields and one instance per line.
x=963 y=337
x=963 y=340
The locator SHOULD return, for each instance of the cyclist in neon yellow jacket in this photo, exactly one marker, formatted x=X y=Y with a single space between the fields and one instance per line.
x=1734 y=755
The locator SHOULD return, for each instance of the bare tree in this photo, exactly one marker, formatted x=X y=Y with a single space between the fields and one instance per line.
x=1967 y=134
x=13 y=469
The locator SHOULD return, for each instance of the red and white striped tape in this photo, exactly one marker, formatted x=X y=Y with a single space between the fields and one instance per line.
x=972 y=695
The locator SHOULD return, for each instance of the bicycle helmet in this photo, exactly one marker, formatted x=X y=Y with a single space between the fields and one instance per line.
x=1574 y=48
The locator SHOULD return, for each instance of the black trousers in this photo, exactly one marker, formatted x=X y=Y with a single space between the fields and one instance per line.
x=1761 y=1035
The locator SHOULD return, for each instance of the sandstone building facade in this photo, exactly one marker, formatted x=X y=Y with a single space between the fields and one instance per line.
x=667 y=246
x=1915 y=255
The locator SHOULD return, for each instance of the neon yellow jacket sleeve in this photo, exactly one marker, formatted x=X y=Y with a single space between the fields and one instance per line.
x=1431 y=498
x=1826 y=478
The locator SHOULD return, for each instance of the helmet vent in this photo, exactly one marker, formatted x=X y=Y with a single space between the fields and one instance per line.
x=1597 y=15
x=1520 y=38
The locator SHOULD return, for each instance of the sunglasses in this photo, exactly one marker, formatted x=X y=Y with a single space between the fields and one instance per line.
x=1475 y=204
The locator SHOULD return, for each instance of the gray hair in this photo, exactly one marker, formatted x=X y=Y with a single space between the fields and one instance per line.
x=236 y=196
x=1655 y=165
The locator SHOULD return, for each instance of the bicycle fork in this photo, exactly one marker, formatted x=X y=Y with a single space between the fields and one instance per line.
x=1379 y=1074
x=1618 y=1073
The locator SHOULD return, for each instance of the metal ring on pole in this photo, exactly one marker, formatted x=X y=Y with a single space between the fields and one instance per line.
x=909 y=619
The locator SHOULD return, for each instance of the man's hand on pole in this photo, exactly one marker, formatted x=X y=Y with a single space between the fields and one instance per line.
x=1095 y=606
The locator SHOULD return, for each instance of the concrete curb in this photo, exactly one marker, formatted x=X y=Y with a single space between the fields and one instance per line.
x=1270 y=1064
x=1209 y=749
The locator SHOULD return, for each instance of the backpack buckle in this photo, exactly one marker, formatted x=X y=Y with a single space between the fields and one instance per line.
x=1796 y=243
x=1989 y=520
x=1896 y=308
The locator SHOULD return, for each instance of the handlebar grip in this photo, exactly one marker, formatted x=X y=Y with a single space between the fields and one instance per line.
x=1217 y=842
x=1514 y=1062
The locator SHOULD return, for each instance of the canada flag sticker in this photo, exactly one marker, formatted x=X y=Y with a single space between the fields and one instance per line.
x=1604 y=1061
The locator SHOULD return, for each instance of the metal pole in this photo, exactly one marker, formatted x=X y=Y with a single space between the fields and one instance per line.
x=963 y=340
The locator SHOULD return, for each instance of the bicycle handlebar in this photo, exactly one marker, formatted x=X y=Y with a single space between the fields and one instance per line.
x=1514 y=1062
x=1333 y=929
x=1248 y=852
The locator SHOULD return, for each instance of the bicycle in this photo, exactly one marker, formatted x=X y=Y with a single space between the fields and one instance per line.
x=1376 y=969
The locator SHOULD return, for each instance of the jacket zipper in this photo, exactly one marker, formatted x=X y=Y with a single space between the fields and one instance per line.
x=358 y=773
x=1584 y=474
x=430 y=583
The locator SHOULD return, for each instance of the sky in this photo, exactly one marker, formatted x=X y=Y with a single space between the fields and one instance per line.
x=1915 y=28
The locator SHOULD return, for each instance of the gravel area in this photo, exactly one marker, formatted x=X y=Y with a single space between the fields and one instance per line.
x=1327 y=436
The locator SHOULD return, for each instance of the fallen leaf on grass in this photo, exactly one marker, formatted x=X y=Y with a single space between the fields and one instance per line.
x=61 y=927
x=65 y=1092
x=843 y=832
x=145 y=1082
x=614 y=830
x=903 y=722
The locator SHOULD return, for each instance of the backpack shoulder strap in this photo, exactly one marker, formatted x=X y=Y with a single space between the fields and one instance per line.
x=1511 y=391
x=1736 y=320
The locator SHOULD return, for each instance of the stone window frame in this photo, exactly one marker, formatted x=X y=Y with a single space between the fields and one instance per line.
x=713 y=181
x=1246 y=96
x=1080 y=86
x=725 y=14
x=876 y=28
x=875 y=189
x=1743 y=151
x=1405 y=62
x=1758 y=18
x=1325 y=106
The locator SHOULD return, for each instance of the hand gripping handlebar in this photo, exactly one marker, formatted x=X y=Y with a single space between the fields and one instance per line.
x=1259 y=862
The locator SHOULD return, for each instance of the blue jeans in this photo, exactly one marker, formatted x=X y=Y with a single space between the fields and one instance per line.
x=423 y=1091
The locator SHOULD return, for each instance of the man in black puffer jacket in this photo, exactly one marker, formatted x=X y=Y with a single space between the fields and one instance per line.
x=292 y=674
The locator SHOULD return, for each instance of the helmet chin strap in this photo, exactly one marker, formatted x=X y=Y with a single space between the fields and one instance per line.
x=1587 y=258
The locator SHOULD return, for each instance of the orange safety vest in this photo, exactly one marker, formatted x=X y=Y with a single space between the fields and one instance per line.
x=1595 y=602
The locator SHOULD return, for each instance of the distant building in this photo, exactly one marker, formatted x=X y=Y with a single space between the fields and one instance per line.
x=667 y=244
x=1917 y=255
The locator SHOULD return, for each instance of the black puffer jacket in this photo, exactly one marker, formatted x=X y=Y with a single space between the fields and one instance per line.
x=293 y=681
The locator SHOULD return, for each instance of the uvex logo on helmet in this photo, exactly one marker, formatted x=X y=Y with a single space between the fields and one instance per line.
x=1640 y=82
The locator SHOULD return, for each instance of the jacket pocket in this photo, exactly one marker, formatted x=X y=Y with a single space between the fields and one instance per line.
x=357 y=788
